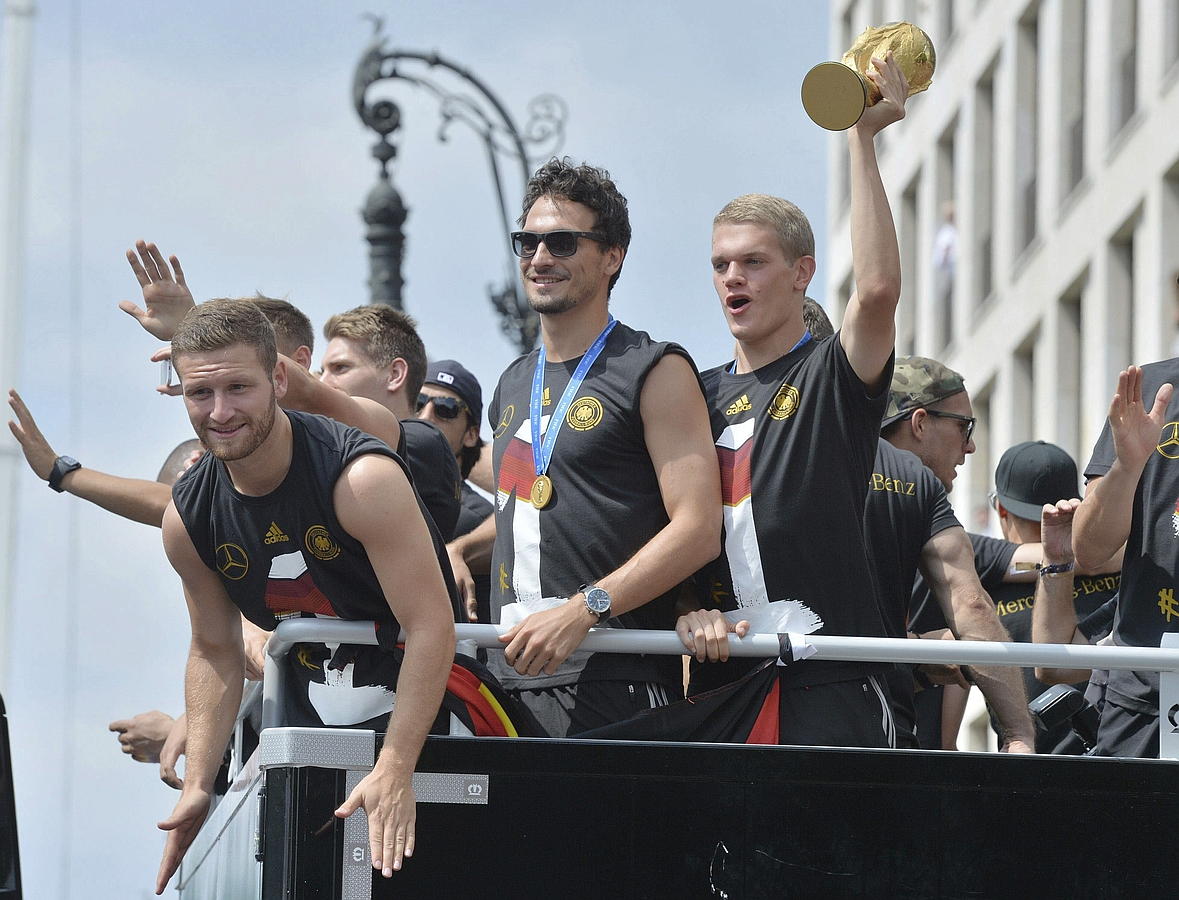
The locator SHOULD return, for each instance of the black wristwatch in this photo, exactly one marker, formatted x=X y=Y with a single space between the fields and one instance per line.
x=62 y=466
x=1055 y=568
x=597 y=601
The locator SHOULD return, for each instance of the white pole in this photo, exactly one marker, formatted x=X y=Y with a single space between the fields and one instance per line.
x=14 y=132
x=1163 y=659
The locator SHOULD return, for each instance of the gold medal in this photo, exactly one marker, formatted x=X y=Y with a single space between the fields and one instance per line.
x=542 y=491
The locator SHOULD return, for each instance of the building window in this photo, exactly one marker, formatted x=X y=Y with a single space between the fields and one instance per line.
x=1168 y=313
x=945 y=240
x=1124 y=56
x=1023 y=389
x=909 y=240
x=1070 y=416
x=983 y=188
x=1072 y=94
x=1171 y=36
x=945 y=9
x=1026 y=130
x=1120 y=301
x=981 y=463
x=843 y=172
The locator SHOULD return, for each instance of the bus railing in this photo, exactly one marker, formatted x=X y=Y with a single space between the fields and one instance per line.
x=1164 y=659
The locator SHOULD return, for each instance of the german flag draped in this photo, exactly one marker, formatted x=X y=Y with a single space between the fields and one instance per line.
x=475 y=696
x=742 y=712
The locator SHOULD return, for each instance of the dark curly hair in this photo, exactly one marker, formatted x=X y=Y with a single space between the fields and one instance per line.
x=589 y=186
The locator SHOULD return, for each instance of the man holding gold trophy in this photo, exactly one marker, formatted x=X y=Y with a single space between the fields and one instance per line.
x=815 y=409
x=796 y=420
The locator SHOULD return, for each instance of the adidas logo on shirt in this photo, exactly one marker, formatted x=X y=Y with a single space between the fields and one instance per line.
x=274 y=535
x=740 y=405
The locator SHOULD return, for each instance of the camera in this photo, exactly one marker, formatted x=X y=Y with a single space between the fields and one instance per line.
x=1064 y=703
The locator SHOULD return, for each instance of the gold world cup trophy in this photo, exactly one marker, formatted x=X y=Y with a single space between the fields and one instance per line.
x=835 y=94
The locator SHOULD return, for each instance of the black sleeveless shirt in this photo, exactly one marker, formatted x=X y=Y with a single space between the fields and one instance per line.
x=285 y=554
x=606 y=502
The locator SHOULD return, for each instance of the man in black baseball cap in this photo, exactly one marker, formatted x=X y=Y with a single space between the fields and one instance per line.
x=451 y=399
x=1030 y=476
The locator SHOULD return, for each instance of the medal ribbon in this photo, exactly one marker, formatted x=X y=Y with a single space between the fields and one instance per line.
x=806 y=336
x=543 y=452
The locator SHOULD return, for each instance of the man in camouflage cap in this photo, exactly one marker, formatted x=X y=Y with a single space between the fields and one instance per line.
x=911 y=528
x=929 y=413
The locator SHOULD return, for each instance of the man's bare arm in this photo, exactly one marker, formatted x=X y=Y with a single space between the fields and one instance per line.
x=679 y=441
x=947 y=562
x=1102 y=523
x=954 y=699
x=376 y=505
x=470 y=554
x=212 y=689
x=307 y=393
x=474 y=547
x=1054 y=614
x=1022 y=568
x=869 y=327
x=132 y=498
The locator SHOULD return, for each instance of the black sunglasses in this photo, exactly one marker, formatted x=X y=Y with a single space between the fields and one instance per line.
x=444 y=407
x=560 y=243
x=969 y=420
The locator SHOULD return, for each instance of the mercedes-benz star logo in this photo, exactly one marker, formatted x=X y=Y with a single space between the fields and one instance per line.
x=1169 y=445
x=232 y=562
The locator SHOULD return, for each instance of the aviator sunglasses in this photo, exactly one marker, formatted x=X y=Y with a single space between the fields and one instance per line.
x=560 y=243
x=444 y=407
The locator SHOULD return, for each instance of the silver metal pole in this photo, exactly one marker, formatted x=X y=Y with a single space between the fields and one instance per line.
x=298 y=631
x=14 y=132
x=618 y=640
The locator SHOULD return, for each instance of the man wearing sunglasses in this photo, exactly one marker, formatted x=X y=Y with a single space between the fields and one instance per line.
x=607 y=490
x=452 y=400
x=927 y=431
x=929 y=414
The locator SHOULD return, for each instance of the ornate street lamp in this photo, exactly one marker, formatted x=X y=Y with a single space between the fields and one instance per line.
x=473 y=104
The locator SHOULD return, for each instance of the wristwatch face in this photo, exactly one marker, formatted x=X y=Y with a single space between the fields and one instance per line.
x=68 y=462
x=597 y=600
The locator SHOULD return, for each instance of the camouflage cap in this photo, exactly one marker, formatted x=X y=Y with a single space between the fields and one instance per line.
x=918 y=381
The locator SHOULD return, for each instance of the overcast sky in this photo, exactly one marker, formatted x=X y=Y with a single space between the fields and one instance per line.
x=225 y=132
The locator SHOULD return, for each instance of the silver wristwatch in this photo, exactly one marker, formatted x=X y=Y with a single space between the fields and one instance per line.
x=597 y=601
